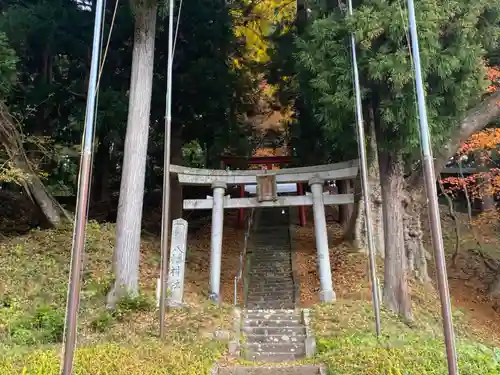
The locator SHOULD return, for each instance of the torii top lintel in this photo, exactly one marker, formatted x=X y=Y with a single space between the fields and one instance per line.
x=197 y=176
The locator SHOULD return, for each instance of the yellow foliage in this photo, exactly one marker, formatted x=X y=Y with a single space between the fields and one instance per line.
x=258 y=25
x=151 y=358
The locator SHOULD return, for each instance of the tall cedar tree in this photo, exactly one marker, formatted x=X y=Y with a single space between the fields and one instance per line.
x=454 y=38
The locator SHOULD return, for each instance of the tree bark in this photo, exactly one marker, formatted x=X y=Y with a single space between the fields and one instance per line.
x=175 y=186
x=50 y=208
x=485 y=191
x=128 y=224
x=10 y=139
x=494 y=287
x=396 y=289
x=345 y=210
x=356 y=232
x=101 y=174
x=415 y=250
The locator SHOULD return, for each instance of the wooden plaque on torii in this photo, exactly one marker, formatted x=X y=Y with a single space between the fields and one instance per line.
x=266 y=188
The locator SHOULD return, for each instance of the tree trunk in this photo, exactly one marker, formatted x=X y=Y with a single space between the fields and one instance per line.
x=494 y=287
x=10 y=139
x=128 y=224
x=416 y=253
x=485 y=191
x=101 y=174
x=345 y=210
x=396 y=290
x=50 y=208
x=175 y=186
x=356 y=232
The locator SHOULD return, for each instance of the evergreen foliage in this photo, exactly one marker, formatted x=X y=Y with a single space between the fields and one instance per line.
x=454 y=40
x=8 y=71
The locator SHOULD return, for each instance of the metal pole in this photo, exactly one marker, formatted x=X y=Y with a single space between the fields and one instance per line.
x=431 y=190
x=165 y=219
x=82 y=203
x=364 y=182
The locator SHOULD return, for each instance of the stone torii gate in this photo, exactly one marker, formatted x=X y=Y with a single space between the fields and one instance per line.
x=268 y=161
x=266 y=181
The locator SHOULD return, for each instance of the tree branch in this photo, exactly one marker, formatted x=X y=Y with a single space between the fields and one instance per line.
x=475 y=120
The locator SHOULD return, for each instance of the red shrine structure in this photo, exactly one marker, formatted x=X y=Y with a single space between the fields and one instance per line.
x=267 y=162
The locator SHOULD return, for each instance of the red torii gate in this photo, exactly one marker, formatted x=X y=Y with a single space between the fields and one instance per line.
x=268 y=161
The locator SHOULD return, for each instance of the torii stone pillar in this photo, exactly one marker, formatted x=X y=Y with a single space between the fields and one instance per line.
x=219 y=189
x=326 y=293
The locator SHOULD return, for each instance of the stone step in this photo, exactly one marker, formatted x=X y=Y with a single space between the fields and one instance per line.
x=271 y=273
x=269 y=230
x=276 y=347
x=272 y=357
x=269 y=239
x=274 y=250
x=270 y=370
x=284 y=330
x=261 y=298
x=263 y=234
x=271 y=279
x=276 y=273
x=260 y=294
x=269 y=260
x=270 y=305
x=272 y=264
x=285 y=283
x=264 y=254
x=285 y=288
x=270 y=297
x=292 y=321
x=266 y=352
x=271 y=248
x=266 y=338
x=270 y=243
x=271 y=313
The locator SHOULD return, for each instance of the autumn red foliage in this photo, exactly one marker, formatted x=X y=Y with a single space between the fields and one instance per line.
x=494 y=76
x=483 y=148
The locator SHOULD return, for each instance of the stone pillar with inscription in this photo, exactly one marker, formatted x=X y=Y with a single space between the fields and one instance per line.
x=219 y=189
x=325 y=272
x=177 y=265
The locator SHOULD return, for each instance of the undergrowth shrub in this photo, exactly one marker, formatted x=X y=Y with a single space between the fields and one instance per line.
x=124 y=308
x=360 y=353
x=44 y=325
x=151 y=358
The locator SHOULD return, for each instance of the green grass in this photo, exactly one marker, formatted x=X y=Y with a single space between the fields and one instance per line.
x=145 y=358
x=347 y=345
x=34 y=273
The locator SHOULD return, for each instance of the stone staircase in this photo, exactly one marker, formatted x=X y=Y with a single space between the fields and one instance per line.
x=271 y=282
x=273 y=329
x=273 y=335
